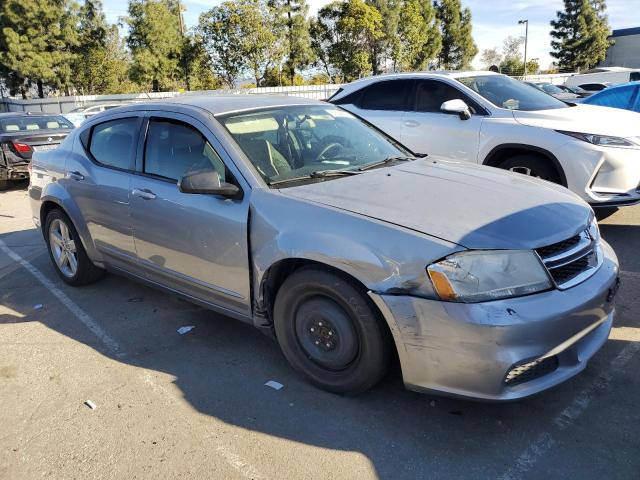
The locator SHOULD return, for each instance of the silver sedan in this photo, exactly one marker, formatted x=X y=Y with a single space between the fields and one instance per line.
x=308 y=223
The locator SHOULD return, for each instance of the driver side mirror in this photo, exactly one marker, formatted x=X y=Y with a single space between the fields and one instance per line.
x=457 y=107
x=208 y=182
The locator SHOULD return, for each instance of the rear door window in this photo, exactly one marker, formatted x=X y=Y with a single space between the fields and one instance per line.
x=387 y=95
x=113 y=143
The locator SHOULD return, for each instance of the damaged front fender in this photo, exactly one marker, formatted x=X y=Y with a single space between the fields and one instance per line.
x=385 y=258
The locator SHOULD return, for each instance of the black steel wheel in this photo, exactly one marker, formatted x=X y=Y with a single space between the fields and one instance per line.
x=330 y=331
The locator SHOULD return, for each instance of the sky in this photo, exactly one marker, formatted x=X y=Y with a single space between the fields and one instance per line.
x=493 y=20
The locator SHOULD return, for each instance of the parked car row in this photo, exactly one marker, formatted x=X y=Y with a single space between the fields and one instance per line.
x=338 y=231
x=491 y=119
x=80 y=114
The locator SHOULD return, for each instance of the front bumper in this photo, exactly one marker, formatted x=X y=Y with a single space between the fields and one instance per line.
x=603 y=176
x=467 y=350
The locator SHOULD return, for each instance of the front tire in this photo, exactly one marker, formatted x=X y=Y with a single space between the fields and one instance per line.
x=66 y=251
x=330 y=331
x=533 y=166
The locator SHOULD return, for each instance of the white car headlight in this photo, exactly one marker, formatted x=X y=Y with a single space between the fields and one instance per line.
x=604 y=140
x=484 y=275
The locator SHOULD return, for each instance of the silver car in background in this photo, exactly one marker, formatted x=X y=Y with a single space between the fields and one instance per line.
x=306 y=222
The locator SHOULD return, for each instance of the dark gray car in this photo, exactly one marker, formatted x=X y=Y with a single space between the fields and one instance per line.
x=21 y=134
x=301 y=219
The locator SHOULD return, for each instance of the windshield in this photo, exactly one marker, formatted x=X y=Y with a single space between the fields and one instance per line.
x=550 y=88
x=294 y=142
x=35 y=122
x=505 y=92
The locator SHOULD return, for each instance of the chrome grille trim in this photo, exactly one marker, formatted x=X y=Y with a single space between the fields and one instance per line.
x=570 y=267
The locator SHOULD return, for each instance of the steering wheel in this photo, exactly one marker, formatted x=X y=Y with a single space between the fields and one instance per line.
x=328 y=148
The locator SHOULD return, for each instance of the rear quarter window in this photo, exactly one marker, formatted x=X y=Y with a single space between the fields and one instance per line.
x=387 y=95
x=113 y=143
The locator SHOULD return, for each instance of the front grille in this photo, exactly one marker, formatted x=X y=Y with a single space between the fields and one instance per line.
x=526 y=372
x=573 y=260
x=559 y=247
x=571 y=270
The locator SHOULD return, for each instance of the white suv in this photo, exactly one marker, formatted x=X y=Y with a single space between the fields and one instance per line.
x=491 y=119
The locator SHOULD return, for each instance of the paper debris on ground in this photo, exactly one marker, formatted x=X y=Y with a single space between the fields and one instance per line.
x=185 y=329
x=273 y=384
x=90 y=404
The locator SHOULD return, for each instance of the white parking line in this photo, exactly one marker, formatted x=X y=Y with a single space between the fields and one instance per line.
x=541 y=445
x=78 y=312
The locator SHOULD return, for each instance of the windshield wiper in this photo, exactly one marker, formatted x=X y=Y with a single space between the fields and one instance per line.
x=315 y=174
x=333 y=173
x=386 y=161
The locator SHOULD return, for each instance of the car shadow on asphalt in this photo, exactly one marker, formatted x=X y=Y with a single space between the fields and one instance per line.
x=221 y=366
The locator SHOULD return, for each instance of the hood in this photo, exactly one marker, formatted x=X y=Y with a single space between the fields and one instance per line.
x=584 y=119
x=473 y=206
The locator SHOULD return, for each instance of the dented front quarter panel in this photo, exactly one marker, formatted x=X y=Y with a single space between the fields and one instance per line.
x=383 y=257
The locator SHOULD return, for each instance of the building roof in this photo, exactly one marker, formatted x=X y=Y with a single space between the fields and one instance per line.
x=623 y=32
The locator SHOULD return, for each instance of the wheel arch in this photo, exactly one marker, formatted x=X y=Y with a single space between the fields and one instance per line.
x=275 y=276
x=50 y=202
x=502 y=152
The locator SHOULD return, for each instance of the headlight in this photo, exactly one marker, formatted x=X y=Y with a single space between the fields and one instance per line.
x=603 y=140
x=482 y=275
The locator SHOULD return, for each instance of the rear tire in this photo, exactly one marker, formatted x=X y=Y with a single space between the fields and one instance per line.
x=330 y=331
x=533 y=166
x=5 y=185
x=66 y=251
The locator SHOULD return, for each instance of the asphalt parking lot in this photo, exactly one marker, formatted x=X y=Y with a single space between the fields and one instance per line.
x=195 y=405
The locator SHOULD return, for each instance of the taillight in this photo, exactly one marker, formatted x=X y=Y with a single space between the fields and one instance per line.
x=22 y=147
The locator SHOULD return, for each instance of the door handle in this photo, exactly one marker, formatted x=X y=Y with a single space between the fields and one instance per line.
x=77 y=176
x=143 y=193
x=411 y=123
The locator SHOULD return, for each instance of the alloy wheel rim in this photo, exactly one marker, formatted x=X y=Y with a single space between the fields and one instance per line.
x=63 y=248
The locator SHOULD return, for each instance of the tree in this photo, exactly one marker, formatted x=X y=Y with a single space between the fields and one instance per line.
x=221 y=35
x=260 y=46
x=36 y=42
x=418 y=38
x=294 y=26
x=105 y=69
x=458 y=47
x=512 y=62
x=382 y=48
x=580 y=34
x=156 y=45
x=238 y=36
x=346 y=32
x=201 y=74
x=89 y=51
x=490 y=57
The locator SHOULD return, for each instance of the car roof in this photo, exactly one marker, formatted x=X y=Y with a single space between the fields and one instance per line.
x=222 y=104
x=357 y=84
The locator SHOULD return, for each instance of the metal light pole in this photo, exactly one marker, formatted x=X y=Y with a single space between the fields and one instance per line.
x=526 y=41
